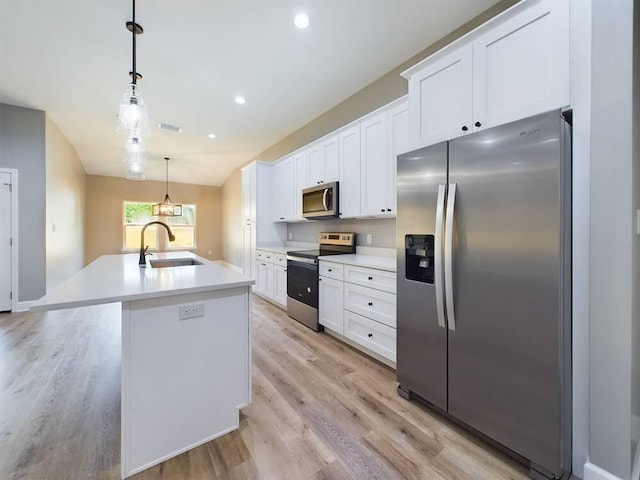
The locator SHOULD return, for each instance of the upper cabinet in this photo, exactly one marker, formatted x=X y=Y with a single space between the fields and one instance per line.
x=515 y=66
x=349 y=147
x=382 y=138
x=323 y=162
x=249 y=193
x=284 y=200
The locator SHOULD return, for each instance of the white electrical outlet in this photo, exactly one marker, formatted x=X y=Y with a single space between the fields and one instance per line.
x=369 y=239
x=191 y=310
x=290 y=235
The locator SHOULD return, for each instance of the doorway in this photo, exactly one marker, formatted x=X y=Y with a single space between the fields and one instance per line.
x=8 y=239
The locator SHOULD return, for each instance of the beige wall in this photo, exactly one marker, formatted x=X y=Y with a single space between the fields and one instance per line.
x=104 y=216
x=65 y=202
x=382 y=91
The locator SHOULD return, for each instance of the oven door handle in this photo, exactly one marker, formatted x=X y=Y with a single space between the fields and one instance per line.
x=310 y=261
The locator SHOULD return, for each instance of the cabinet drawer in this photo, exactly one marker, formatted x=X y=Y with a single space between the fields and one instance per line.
x=269 y=257
x=280 y=259
x=370 y=334
x=380 y=306
x=331 y=270
x=368 y=277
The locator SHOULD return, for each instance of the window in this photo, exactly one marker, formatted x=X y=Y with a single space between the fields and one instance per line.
x=137 y=214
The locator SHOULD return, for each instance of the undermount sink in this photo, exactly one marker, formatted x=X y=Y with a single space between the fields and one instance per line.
x=173 y=262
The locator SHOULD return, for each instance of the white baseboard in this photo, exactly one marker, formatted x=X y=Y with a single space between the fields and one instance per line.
x=22 y=306
x=593 y=472
x=230 y=266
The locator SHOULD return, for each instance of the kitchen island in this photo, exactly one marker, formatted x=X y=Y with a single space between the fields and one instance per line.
x=186 y=359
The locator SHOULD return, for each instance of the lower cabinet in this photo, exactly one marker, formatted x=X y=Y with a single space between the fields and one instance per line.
x=271 y=276
x=365 y=315
x=330 y=304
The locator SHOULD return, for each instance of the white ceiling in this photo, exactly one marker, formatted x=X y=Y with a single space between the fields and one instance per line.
x=71 y=58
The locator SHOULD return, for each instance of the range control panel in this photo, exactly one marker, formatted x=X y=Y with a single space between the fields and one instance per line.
x=337 y=238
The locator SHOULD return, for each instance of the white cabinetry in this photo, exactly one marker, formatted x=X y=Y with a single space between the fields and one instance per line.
x=330 y=310
x=359 y=303
x=271 y=281
x=514 y=66
x=257 y=213
x=349 y=143
x=301 y=170
x=323 y=161
x=383 y=137
x=284 y=198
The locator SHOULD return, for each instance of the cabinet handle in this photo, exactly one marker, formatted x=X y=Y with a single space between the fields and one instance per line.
x=465 y=128
x=330 y=270
x=370 y=278
x=264 y=264
x=382 y=209
x=281 y=218
x=370 y=335
x=388 y=209
x=286 y=270
x=478 y=124
x=371 y=304
x=319 y=279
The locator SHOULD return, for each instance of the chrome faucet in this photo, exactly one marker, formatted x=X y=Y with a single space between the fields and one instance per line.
x=143 y=250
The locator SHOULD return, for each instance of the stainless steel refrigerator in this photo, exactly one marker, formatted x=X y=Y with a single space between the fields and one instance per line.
x=483 y=248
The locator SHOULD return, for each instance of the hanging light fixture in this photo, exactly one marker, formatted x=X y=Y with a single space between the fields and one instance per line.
x=133 y=117
x=167 y=208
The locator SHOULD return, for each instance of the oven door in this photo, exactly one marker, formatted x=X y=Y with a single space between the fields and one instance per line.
x=302 y=280
x=321 y=201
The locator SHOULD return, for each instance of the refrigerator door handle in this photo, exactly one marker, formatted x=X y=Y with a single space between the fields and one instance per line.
x=448 y=256
x=437 y=256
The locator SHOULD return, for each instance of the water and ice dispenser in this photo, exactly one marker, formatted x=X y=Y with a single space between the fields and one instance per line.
x=419 y=261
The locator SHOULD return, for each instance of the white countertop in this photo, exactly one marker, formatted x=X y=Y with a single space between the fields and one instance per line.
x=119 y=278
x=289 y=247
x=368 y=261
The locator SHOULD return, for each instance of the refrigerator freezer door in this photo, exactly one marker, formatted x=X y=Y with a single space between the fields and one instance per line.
x=505 y=358
x=421 y=342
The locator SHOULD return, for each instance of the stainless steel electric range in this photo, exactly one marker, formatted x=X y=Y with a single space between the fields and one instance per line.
x=302 y=276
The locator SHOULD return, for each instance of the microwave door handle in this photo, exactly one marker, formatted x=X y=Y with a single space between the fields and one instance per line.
x=324 y=199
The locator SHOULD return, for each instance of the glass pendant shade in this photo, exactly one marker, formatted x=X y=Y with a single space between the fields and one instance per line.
x=134 y=151
x=133 y=118
x=135 y=171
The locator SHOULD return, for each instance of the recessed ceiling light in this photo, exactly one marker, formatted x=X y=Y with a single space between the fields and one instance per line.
x=240 y=100
x=212 y=136
x=301 y=20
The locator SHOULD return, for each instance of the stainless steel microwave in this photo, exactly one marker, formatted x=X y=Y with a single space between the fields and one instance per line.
x=321 y=201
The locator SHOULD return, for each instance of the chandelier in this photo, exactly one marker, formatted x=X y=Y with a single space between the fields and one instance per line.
x=167 y=208
x=133 y=119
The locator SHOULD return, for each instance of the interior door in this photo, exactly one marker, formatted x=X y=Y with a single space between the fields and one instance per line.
x=505 y=359
x=5 y=241
x=421 y=340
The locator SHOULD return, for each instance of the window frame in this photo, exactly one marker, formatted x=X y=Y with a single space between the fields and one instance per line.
x=162 y=239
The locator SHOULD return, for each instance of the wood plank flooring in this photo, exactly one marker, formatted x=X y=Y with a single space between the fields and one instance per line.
x=320 y=410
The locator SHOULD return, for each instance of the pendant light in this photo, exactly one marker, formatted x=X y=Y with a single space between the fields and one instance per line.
x=167 y=208
x=133 y=117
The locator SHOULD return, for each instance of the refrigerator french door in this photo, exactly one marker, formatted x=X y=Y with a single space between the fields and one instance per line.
x=483 y=248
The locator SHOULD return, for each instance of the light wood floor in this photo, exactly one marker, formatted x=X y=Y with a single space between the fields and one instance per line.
x=320 y=410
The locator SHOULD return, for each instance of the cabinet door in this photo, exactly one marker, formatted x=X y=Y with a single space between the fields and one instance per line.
x=521 y=66
x=270 y=280
x=349 y=142
x=398 y=142
x=249 y=193
x=279 y=200
x=261 y=277
x=331 y=160
x=315 y=164
x=280 y=289
x=373 y=181
x=301 y=181
x=249 y=250
x=283 y=191
x=330 y=304
x=440 y=98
